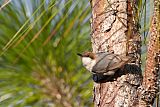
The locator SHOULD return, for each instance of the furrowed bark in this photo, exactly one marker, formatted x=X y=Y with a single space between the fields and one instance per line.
x=150 y=86
x=113 y=30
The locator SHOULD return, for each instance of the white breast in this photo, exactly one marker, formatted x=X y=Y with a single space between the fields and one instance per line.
x=88 y=63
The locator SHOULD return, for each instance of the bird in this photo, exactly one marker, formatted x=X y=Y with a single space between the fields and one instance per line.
x=104 y=63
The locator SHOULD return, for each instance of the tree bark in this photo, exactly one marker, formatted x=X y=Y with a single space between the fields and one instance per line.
x=114 y=29
x=150 y=86
x=112 y=32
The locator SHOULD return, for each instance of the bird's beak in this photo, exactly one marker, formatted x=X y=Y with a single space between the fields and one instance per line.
x=79 y=54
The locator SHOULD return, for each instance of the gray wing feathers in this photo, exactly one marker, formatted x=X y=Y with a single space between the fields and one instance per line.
x=109 y=62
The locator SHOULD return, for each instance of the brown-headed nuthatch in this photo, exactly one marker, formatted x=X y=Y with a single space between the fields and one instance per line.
x=103 y=62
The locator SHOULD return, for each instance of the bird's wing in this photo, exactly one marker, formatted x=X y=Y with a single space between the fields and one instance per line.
x=103 y=61
x=109 y=62
x=121 y=61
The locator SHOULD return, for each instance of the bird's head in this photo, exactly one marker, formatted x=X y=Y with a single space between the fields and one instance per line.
x=88 y=60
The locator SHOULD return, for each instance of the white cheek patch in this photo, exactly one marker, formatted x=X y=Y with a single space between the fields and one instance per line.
x=88 y=63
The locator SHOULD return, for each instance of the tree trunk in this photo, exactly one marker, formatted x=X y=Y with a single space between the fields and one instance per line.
x=114 y=29
x=150 y=86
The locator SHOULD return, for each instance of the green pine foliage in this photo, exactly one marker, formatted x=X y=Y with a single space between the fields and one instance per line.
x=39 y=40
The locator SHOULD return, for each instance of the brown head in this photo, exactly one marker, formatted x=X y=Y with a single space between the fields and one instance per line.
x=87 y=54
